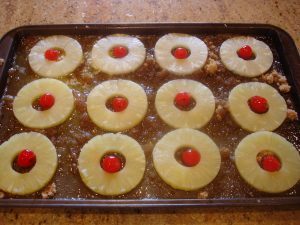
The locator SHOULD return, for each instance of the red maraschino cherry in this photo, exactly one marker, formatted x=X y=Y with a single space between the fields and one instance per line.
x=26 y=159
x=245 y=52
x=52 y=54
x=190 y=157
x=119 y=104
x=258 y=104
x=183 y=99
x=111 y=164
x=119 y=51
x=180 y=53
x=46 y=101
x=271 y=163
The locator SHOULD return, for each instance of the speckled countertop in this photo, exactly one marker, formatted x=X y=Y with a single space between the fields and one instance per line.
x=284 y=14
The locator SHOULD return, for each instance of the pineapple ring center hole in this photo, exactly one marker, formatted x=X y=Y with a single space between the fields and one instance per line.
x=112 y=162
x=184 y=101
x=188 y=156
x=23 y=163
x=180 y=52
x=118 y=51
x=117 y=103
x=268 y=161
x=55 y=54
x=43 y=102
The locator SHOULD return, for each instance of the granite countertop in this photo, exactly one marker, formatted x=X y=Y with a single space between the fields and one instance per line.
x=284 y=14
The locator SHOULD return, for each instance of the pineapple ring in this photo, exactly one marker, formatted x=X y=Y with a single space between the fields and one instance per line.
x=195 y=61
x=179 y=176
x=117 y=183
x=249 y=120
x=42 y=172
x=248 y=167
x=196 y=117
x=58 y=113
x=102 y=61
x=46 y=68
x=247 y=68
x=117 y=121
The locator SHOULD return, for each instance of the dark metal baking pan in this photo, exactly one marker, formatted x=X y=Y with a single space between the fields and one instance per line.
x=288 y=56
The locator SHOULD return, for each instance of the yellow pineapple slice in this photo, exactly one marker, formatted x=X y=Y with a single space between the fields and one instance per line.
x=117 y=183
x=118 y=54
x=117 y=121
x=65 y=56
x=183 y=177
x=194 y=57
x=260 y=62
x=250 y=120
x=42 y=172
x=197 y=117
x=246 y=155
x=56 y=114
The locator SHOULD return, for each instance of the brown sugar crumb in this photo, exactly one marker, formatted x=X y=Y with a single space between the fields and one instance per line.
x=221 y=112
x=149 y=61
x=292 y=115
x=203 y=195
x=87 y=78
x=285 y=88
x=225 y=153
x=211 y=67
x=1 y=62
x=268 y=78
x=73 y=82
x=49 y=191
x=275 y=77
x=213 y=55
x=2 y=194
x=289 y=103
x=281 y=79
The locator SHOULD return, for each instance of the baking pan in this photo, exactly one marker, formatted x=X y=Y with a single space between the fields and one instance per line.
x=287 y=56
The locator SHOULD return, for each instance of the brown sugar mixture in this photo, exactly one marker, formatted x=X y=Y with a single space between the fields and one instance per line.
x=70 y=136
